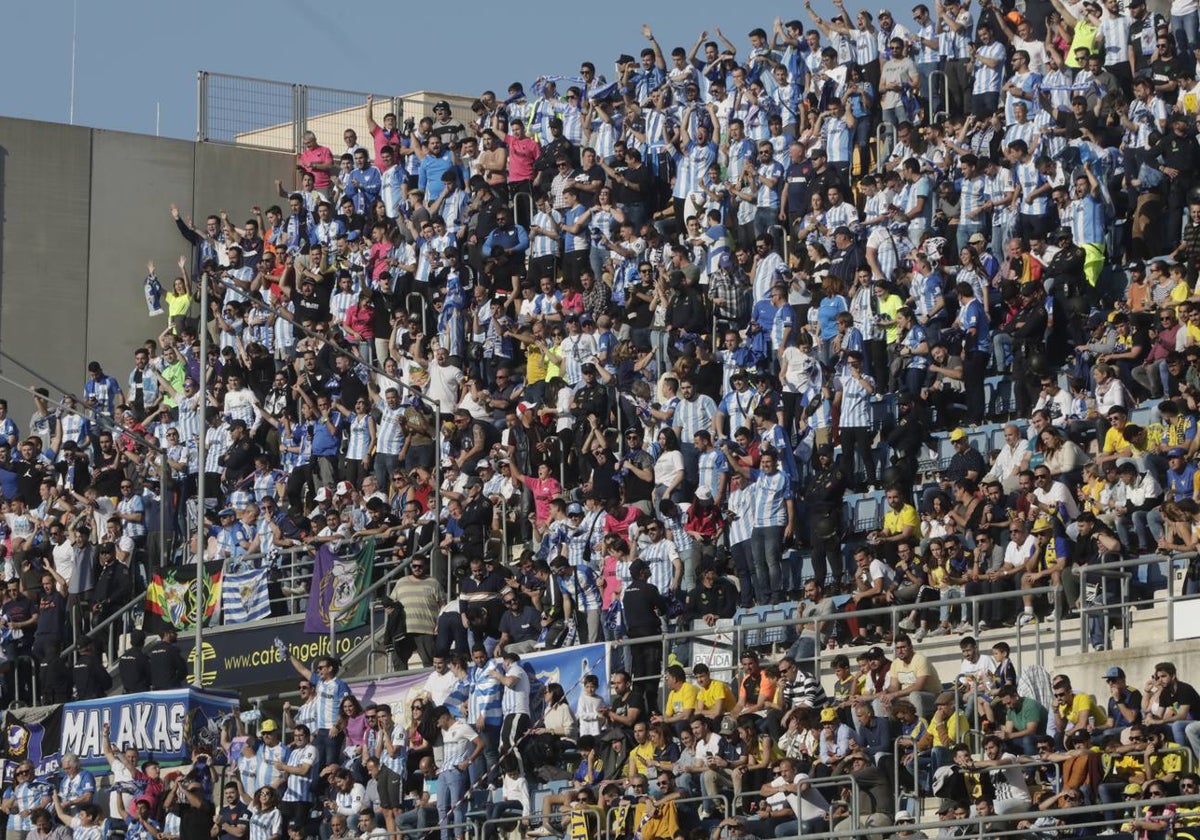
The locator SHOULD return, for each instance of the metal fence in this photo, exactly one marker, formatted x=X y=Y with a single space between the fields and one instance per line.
x=266 y=114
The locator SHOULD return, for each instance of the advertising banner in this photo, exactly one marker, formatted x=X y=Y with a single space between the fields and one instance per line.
x=234 y=658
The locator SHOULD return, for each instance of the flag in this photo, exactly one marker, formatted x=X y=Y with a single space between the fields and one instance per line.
x=339 y=578
x=171 y=597
x=32 y=736
x=244 y=596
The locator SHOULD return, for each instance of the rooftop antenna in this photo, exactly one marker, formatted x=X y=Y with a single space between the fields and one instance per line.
x=74 y=29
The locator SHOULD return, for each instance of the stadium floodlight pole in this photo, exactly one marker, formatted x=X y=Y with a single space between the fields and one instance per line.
x=201 y=457
x=424 y=399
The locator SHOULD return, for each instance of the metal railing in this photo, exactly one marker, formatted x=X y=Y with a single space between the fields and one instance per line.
x=819 y=783
x=893 y=611
x=939 y=77
x=267 y=114
x=885 y=141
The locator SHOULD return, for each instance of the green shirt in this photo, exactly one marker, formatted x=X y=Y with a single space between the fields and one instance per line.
x=1030 y=710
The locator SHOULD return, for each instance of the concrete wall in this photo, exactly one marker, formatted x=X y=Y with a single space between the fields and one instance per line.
x=81 y=212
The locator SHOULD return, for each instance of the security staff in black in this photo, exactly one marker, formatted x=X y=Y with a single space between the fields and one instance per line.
x=168 y=669
x=1065 y=269
x=824 y=497
x=1180 y=162
x=91 y=678
x=134 y=665
x=1029 y=346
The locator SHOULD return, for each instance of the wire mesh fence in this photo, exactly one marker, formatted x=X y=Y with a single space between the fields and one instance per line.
x=247 y=111
x=274 y=115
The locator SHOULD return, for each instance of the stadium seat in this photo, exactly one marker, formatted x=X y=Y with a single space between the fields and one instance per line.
x=1144 y=415
x=1000 y=397
x=775 y=635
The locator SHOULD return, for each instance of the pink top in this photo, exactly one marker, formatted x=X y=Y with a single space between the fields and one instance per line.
x=572 y=303
x=620 y=527
x=356 y=730
x=318 y=154
x=382 y=138
x=543 y=492
x=611 y=580
x=359 y=319
x=378 y=259
x=522 y=154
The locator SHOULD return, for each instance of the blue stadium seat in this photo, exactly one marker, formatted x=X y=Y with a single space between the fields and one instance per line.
x=775 y=635
x=752 y=636
x=1144 y=415
x=867 y=514
x=945 y=453
x=1001 y=400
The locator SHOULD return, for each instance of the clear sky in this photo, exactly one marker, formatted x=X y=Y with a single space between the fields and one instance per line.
x=132 y=54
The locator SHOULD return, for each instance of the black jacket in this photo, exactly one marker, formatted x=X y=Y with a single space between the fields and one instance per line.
x=643 y=605
x=134 y=670
x=91 y=680
x=113 y=588
x=168 y=669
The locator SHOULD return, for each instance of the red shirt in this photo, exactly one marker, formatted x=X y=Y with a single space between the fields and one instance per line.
x=522 y=155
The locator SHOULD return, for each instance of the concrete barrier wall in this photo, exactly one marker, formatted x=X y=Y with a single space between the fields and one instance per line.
x=81 y=212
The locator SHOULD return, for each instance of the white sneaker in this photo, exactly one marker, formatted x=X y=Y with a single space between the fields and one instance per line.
x=940 y=631
x=920 y=634
x=540 y=831
x=1026 y=618
x=907 y=625
x=964 y=627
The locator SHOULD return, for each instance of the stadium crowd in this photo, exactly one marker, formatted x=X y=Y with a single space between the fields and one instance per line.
x=648 y=334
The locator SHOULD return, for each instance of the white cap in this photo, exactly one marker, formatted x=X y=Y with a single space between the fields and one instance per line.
x=322 y=494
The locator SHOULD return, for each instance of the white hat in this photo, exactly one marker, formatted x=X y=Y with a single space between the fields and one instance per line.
x=904 y=816
x=703 y=494
x=344 y=488
x=322 y=494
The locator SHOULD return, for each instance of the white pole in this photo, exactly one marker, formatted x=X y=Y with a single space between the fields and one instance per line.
x=157 y=118
x=74 y=30
x=201 y=455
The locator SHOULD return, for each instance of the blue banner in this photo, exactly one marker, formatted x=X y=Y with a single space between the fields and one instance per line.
x=163 y=725
x=32 y=737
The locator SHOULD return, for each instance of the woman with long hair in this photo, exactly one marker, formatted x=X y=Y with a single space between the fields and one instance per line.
x=669 y=481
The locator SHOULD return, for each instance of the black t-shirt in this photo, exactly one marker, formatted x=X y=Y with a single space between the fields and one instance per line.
x=523 y=626
x=589 y=176
x=310 y=308
x=623 y=194
x=1181 y=694
x=622 y=705
x=196 y=823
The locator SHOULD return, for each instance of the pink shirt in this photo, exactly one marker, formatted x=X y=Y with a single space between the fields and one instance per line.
x=382 y=138
x=522 y=154
x=543 y=492
x=359 y=319
x=322 y=155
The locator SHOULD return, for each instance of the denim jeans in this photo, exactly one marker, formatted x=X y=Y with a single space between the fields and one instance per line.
x=452 y=786
x=1186 y=30
x=766 y=548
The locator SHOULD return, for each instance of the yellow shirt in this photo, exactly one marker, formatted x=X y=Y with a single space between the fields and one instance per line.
x=535 y=364
x=717 y=695
x=1081 y=702
x=177 y=305
x=682 y=700
x=889 y=305
x=957 y=726
x=1114 y=441
x=895 y=522
x=1180 y=293
x=638 y=756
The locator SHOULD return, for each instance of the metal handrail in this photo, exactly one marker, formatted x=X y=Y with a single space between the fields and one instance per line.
x=890 y=610
x=823 y=781
x=1115 y=569
x=945 y=83
x=882 y=131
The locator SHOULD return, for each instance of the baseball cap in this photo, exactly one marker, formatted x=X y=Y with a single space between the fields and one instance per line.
x=1041 y=525
x=904 y=816
x=703 y=494
x=522 y=407
x=828 y=715
x=958 y=434
x=269 y=726
x=344 y=488
x=1114 y=673
x=1177 y=452
x=322 y=494
x=977 y=239
x=574 y=509
x=227 y=512
x=875 y=653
